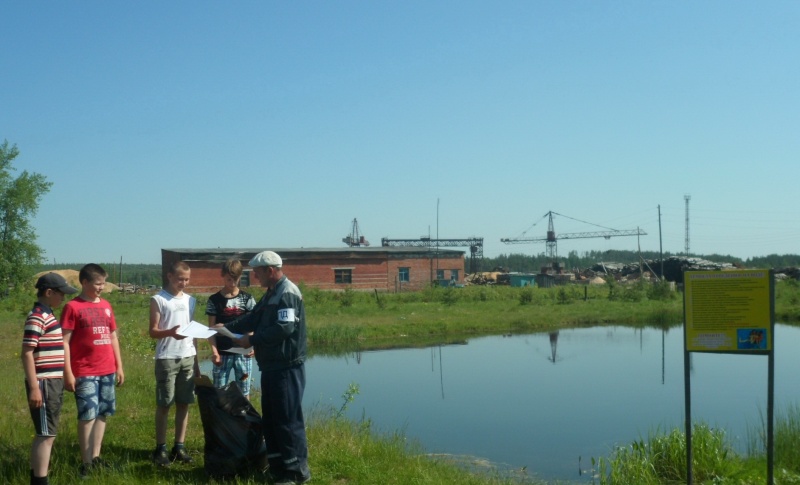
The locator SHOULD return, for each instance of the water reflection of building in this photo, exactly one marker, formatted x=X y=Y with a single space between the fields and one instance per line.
x=553 y=345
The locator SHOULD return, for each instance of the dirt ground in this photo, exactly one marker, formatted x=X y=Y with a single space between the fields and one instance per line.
x=71 y=276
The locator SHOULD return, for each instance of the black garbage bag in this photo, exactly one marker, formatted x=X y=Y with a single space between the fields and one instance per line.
x=233 y=432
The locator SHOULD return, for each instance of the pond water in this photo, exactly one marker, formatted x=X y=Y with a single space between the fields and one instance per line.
x=551 y=402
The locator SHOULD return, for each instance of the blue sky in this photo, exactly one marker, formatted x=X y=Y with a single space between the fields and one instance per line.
x=268 y=124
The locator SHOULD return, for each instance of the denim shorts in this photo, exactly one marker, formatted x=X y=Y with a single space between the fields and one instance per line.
x=95 y=396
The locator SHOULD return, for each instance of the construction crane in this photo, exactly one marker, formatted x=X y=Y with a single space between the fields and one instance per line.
x=551 y=238
x=475 y=247
x=355 y=238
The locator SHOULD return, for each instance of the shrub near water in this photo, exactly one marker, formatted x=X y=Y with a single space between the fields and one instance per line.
x=662 y=459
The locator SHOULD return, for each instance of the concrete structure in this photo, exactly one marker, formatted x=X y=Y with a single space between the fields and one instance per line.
x=359 y=268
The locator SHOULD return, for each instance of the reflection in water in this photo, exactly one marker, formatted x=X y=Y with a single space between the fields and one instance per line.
x=441 y=372
x=553 y=346
x=507 y=404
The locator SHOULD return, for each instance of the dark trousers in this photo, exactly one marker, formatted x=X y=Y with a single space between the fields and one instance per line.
x=282 y=415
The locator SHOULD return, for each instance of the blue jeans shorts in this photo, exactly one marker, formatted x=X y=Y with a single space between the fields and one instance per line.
x=95 y=396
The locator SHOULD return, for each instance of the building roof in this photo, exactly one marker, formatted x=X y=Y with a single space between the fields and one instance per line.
x=213 y=254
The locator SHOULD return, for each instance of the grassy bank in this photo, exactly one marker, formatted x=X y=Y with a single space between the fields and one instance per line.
x=438 y=315
x=341 y=451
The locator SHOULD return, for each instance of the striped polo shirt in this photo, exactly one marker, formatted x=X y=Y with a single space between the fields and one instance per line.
x=43 y=332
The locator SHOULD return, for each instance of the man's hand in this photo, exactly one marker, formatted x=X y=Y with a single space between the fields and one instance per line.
x=216 y=359
x=243 y=341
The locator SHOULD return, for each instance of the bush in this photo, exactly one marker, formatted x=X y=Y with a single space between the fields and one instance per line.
x=562 y=295
x=450 y=296
x=661 y=291
x=347 y=297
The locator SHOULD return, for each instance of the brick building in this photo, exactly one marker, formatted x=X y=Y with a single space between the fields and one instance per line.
x=360 y=268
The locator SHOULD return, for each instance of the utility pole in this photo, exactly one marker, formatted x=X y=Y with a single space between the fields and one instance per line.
x=686 y=199
x=660 y=243
x=639 y=246
x=437 y=239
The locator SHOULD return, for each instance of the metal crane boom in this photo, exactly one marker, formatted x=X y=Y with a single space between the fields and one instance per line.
x=576 y=235
x=551 y=238
x=475 y=245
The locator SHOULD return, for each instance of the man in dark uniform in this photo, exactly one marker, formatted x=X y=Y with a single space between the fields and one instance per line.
x=278 y=323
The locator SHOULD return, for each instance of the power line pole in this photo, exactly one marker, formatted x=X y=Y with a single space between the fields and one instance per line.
x=660 y=243
x=687 y=198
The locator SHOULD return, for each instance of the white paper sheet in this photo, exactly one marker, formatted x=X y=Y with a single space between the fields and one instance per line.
x=196 y=330
x=227 y=333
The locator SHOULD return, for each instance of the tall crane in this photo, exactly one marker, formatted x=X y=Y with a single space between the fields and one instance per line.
x=551 y=239
x=475 y=247
x=355 y=239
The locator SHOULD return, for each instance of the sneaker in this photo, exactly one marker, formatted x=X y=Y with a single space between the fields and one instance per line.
x=85 y=470
x=98 y=462
x=180 y=455
x=160 y=457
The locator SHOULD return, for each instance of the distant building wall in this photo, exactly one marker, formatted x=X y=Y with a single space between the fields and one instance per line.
x=380 y=269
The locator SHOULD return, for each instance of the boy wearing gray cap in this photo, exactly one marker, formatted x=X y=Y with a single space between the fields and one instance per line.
x=43 y=363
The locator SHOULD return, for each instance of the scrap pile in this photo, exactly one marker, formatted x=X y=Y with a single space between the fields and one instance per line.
x=674 y=266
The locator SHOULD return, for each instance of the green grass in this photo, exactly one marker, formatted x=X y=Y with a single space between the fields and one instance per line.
x=662 y=459
x=341 y=451
x=345 y=452
x=456 y=314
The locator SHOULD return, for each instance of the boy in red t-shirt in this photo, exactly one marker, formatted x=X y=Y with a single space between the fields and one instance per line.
x=93 y=364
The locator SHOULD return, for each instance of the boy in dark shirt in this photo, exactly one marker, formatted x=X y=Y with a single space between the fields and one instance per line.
x=227 y=304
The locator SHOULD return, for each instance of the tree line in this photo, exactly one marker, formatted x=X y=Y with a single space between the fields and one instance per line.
x=136 y=274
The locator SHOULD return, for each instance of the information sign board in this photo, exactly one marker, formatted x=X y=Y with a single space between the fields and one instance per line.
x=728 y=311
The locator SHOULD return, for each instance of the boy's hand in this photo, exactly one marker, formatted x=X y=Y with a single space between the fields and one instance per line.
x=120 y=377
x=35 y=398
x=216 y=359
x=69 y=382
x=174 y=333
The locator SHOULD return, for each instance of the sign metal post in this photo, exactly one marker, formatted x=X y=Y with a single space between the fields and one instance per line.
x=729 y=312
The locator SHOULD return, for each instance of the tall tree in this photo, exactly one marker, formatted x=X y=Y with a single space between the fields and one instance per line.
x=19 y=201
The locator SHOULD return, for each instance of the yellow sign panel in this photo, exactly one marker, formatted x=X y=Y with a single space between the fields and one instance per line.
x=728 y=311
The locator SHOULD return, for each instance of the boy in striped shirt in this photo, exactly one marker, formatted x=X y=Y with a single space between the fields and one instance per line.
x=43 y=363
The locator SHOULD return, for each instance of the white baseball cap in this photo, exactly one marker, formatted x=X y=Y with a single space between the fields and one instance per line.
x=266 y=258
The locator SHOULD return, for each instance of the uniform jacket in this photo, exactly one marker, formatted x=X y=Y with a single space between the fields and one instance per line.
x=278 y=323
